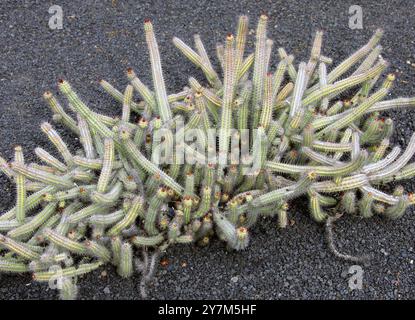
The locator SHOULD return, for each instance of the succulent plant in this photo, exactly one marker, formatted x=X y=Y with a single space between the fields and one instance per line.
x=140 y=183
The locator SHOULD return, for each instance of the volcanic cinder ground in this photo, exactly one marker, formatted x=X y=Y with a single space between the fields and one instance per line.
x=101 y=39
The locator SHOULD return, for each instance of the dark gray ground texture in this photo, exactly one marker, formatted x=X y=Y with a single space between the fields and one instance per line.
x=100 y=39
